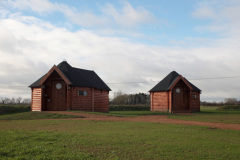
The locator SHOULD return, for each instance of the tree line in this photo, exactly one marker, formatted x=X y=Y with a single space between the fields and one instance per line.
x=18 y=100
x=227 y=101
x=120 y=98
x=130 y=99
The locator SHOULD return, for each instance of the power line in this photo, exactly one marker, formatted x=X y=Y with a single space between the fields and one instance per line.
x=215 y=78
x=159 y=81
x=132 y=82
x=188 y=79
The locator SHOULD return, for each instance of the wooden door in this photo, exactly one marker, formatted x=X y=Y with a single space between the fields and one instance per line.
x=59 y=96
x=178 y=98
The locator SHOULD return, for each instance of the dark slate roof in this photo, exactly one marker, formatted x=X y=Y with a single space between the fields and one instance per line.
x=166 y=83
x=36 y=83
x=78 y=77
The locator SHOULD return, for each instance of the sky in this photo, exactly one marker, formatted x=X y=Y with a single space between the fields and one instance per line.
x=122 y=41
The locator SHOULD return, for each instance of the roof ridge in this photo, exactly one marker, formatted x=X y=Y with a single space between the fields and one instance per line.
x=79 y=77
x=83 y=69
x=167 y=81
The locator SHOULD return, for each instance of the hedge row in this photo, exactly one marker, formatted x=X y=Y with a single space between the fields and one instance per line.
x=229 y=108
x=6 y=109
x=129 y=108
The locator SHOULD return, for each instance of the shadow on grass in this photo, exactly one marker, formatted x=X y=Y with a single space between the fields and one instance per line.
x=36 y=115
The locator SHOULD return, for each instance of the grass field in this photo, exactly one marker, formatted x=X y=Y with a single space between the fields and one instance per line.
x=207 y=114
x=35 y=115
x=22 y=137
x=126 y=113
x=211 y=114
x=81 y=139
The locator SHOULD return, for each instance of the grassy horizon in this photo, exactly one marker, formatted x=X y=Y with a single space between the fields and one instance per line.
x=211 y=114
x=36 y=115
x=82 y=139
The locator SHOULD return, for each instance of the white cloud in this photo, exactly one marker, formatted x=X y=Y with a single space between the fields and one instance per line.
x=3 y=13
x=30 y=46
x=125 y=16
x=30 y=50
x=129 y=16
x=224 y=16
x=41 y=7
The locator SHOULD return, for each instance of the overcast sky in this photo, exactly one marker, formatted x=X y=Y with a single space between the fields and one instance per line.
x=122 y=41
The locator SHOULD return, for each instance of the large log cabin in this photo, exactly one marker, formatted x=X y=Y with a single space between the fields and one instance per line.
x=67 y=88
x=175 y=94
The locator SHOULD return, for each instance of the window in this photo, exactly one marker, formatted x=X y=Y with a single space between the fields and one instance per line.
x=194 y=96
x=82 y=93
x=58 y=85
x=178 y=90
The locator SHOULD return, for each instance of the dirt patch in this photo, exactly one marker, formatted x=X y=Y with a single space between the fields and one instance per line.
x=152 y=118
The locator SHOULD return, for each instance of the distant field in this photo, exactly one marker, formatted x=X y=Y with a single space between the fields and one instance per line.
x=207 y=114
x=22 y=137
x=211 y=114
x=81 y=139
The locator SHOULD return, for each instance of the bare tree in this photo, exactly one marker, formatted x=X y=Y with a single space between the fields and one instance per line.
x=7 y=100
x=13 y=101
x=26 y=101
x=2 y=100
x=18 y=100
x=231 y=101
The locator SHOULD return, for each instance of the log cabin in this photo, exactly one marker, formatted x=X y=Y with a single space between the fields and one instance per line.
x=175 y=94
x=65 y=87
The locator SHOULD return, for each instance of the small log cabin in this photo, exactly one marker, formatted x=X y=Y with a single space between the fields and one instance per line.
x=175 y=94
x=67 y=88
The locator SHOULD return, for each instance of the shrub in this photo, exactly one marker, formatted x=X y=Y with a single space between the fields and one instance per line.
x=7 y=109
x=129 y=108
x=229 y=108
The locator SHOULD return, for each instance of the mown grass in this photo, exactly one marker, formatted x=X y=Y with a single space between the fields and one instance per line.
x=126 y=113
x=136 y=113
x=211 y=114
x=129 y=107
x=81 y=139
x=36 y=115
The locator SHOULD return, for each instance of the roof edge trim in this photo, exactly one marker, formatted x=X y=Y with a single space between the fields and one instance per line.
x=180 y=77
x=55 y=68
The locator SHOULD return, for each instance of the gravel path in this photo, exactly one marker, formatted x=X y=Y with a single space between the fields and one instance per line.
x=152 y=118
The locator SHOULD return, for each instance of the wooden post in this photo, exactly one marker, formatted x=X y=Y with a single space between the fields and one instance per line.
x=41 y=98
x=31 y=99
x=170 y=101
x=151 y=100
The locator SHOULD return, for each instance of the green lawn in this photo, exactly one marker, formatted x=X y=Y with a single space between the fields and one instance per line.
x=126 y=113
x=35 y=115
x=207 y=114
x=211 y=114
x=81 y=139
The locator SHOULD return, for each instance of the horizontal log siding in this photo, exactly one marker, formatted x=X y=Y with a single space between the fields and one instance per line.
x=159 y=101
x=82 y=103
x=195 y=102
x=36 y=99
x=101 y=100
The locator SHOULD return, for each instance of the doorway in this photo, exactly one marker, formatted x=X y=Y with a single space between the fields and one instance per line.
x=180 y=99
x=56 y=101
